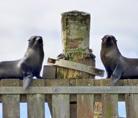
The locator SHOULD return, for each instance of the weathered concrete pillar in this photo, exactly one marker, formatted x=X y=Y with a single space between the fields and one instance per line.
x=75 y=32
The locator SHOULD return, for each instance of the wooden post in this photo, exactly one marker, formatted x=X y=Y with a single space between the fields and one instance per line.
x=36 y=108
x=85 y=102
x=11 y=107
x=75 y=32
x=131 y=102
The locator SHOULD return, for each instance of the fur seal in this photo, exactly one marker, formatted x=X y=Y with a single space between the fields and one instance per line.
x=27 y=67
x=116 y=65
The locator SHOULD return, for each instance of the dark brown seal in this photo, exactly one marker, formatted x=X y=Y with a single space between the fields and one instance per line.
x=116 y=65
x=29 y=66
x=33 y=59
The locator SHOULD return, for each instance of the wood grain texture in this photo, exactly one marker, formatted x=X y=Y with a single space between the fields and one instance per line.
x=36 y=108
x=110 y=105
x=132 y=102
x=85 y=102
x=36 y=101
x=11 y=107
x=70 y=90
x=56 y=83
x=49 y=72
x=60 y=106
x=78 y=66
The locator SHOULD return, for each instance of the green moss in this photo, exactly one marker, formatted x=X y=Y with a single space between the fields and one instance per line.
x=75 y=54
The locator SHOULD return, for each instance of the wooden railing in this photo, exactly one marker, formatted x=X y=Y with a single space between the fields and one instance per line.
x=60 y=93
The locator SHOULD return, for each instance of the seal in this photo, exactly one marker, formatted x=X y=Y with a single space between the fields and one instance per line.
x=27 y=67
x=117 y=66
x=33 y=59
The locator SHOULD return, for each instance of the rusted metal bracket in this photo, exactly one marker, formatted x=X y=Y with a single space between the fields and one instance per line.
x=76 y=66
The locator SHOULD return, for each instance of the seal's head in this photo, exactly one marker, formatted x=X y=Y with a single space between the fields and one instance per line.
x=109 y=41
x=38 y=49
x=38 y=42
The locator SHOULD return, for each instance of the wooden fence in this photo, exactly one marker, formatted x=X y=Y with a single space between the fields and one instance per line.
x=86 y=92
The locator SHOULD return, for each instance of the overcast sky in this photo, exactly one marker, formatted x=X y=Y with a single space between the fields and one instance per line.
x=20 y=19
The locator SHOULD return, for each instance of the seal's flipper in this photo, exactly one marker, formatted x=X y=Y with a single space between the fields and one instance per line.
x=116 y=75
x=109 y=71
x=27 y=80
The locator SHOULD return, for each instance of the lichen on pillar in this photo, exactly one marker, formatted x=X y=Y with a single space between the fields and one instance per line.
x=75 y=39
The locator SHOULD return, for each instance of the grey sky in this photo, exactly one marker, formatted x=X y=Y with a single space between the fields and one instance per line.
x=20 y=19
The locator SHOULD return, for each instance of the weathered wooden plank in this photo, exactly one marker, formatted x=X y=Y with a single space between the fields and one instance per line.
x=11 y=108
x=60 y=106
x=36 y=108
x=53 y=84
x=132 y=106
x=36 y=102
x=50 y=82
x=49 y=72
x=131 y=103
x=73 y=108
x=77 y=66
x=97 y=109
x=110 y=106
x=85 y=105
x=85 y=102
x=70 y=90
x=128 y=100
x=73 y=100
x=98 y=106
